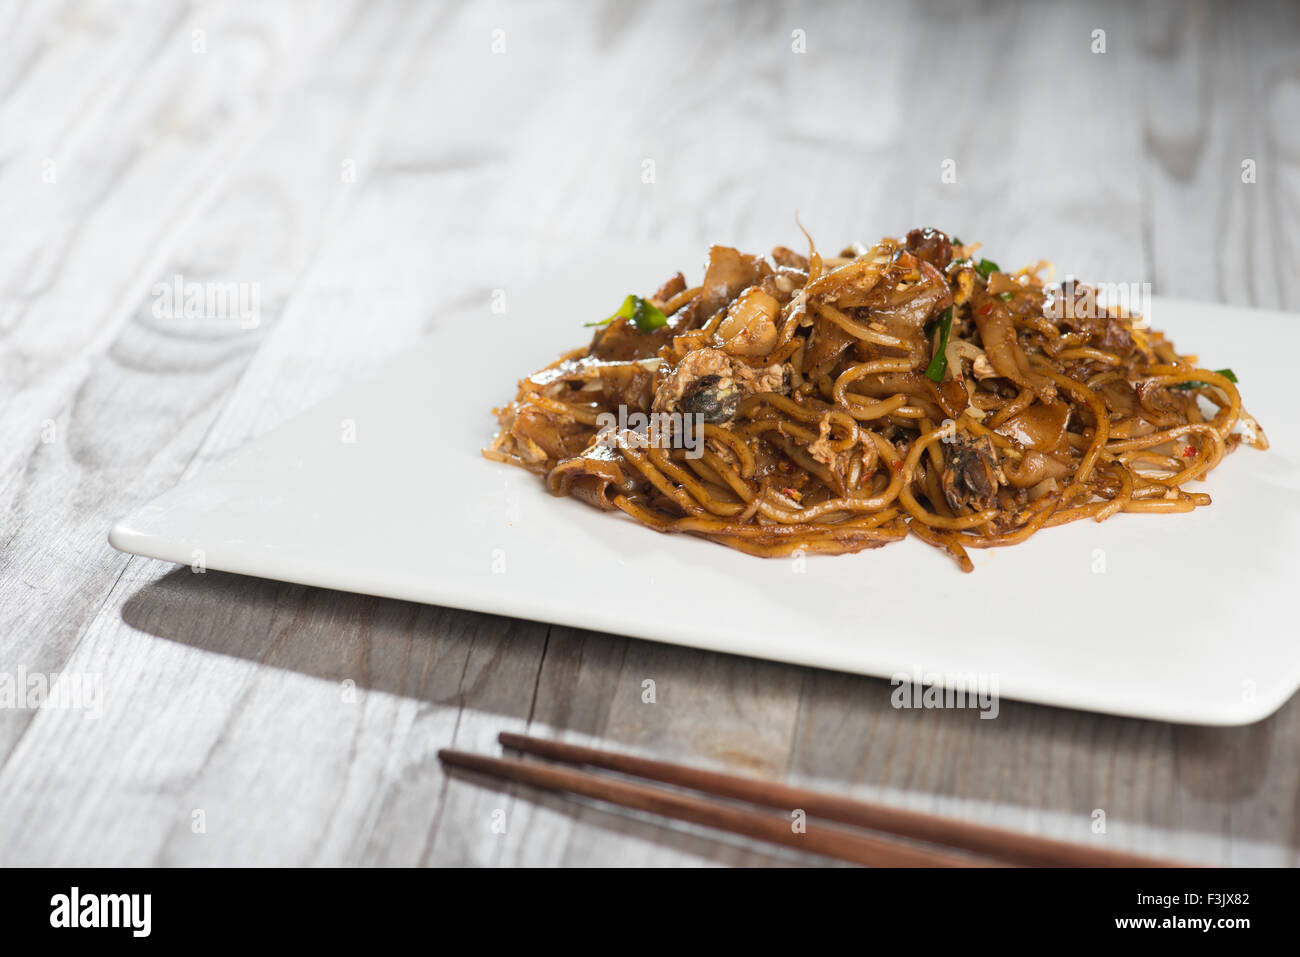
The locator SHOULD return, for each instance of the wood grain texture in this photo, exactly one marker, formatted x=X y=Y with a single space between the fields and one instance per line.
x=378 y=168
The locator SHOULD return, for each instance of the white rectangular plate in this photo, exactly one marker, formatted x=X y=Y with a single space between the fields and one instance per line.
x=1185 y=618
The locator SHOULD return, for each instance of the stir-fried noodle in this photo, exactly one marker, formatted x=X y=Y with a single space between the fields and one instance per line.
x=829 y=405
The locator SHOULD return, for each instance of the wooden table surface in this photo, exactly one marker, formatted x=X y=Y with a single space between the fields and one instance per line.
x=373 y=168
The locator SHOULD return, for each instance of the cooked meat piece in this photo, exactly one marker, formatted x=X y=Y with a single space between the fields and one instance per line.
x=931 y=245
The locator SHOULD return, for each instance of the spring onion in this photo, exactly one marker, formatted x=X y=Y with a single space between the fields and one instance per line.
x=643 y=312
x=939 y=364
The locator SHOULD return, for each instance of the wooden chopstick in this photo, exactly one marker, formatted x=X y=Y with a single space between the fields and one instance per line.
x=817 y=838
x=1006 y=846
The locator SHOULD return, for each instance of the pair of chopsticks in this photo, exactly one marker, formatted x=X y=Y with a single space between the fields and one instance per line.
x=980 y=846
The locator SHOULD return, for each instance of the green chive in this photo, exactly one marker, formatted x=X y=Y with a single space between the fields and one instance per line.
x=647 y=317
x=939 y=364
x=1006 y=296
x=987 y=267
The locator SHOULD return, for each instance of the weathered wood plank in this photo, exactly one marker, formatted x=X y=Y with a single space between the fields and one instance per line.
x=1222 y=89
x=105 y=402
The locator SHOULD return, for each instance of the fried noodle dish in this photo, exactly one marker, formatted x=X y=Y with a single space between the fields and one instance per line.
x=797 y=404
